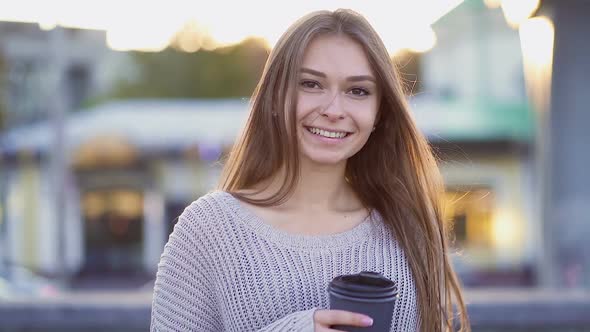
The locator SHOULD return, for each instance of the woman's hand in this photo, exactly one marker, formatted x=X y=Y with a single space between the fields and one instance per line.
x=324 y=319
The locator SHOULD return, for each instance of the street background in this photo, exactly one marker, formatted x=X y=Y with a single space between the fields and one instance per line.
x=114 y=116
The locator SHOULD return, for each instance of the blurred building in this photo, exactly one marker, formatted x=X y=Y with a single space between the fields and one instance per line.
x=485 y=152
x=41 y=68
x=134 y=166
x=87 y=68
x=475 y=76
x=484 y=59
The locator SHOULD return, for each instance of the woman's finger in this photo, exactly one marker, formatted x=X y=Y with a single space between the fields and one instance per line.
x=341 y=317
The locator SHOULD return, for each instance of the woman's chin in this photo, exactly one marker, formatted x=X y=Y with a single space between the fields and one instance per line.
x=324 y=160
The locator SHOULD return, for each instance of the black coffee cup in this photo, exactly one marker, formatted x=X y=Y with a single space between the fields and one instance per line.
x=368 y=293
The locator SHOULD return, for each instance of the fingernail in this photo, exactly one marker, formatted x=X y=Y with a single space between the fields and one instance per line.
x=367 y=321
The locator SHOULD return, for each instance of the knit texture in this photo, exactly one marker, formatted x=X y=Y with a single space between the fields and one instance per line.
x=225 y=269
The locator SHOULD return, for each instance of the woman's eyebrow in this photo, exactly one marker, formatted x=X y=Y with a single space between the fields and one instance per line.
x=359 y=78
x=356 y=78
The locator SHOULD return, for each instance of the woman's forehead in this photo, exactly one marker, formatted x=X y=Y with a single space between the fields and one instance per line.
x=336 y=55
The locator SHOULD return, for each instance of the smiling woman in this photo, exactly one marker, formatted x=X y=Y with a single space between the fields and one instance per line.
x=330 y=177
x=338 y=110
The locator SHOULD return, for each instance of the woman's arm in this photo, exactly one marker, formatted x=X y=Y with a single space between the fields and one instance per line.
x=183 y=293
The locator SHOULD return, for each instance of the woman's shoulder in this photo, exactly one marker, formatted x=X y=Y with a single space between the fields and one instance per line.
x=205 y=214
x=209 y=206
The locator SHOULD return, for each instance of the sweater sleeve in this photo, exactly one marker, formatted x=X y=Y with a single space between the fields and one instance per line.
x=183 y=298
x=299 y=321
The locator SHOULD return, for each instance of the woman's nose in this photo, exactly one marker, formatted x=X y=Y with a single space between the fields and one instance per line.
x=334 y=110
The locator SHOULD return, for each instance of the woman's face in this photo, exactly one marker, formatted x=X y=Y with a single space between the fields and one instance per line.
x=337 y=100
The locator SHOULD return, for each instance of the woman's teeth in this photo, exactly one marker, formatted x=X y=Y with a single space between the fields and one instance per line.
x=325 y=133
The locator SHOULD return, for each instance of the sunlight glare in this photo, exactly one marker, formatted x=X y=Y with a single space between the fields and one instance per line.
x=506 y=230
x=517 y=11
x=423 y=41
x=536 y=38
x=151 y=29
x=150 y=25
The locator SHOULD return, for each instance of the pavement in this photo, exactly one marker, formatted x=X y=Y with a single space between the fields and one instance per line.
x=509 y=309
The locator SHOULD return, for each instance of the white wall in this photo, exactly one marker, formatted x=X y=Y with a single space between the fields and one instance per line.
x=476 y=54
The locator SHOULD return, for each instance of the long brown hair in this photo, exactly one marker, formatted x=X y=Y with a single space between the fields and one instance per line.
x=395 y=173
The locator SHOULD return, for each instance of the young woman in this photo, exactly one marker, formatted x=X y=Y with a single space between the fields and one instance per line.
x=330 y=177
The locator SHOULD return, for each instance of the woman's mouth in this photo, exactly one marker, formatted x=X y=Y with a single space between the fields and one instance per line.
x=333 y=134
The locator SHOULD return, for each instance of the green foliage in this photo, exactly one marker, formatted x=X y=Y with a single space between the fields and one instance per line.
x=224 y=73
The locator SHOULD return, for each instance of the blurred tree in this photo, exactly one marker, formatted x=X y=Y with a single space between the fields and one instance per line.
x=232 y=71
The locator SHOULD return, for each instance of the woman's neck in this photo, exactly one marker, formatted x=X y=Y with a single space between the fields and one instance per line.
x=320 y=188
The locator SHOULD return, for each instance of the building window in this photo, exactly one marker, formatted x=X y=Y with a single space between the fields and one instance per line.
x=113 y=221
x=78 y=83
x=470 y=212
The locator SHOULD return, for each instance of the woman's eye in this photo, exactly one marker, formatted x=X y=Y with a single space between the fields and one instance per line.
x=309 y=84
x=360 y=92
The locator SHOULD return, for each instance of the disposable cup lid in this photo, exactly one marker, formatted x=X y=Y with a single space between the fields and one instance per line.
x=366 y=284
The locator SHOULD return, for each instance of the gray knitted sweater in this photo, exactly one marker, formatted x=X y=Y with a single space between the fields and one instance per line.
x=225 y=269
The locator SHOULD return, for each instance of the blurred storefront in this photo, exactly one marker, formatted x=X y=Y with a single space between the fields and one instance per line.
x=133 y=167
x=485 y=156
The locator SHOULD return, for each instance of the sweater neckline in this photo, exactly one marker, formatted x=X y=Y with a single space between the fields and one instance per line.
x=359 y=233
